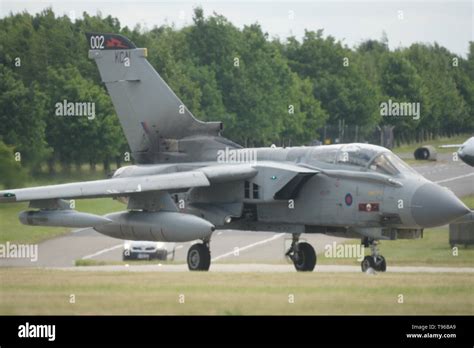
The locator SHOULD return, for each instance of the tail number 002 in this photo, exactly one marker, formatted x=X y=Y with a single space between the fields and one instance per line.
x=97 y=42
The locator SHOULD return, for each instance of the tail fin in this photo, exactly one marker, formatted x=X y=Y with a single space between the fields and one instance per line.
x=153 y=118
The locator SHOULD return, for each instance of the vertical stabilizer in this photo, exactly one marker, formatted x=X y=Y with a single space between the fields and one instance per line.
x=153 y=118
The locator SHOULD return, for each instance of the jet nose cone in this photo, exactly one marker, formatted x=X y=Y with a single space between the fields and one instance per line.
x=433 y=205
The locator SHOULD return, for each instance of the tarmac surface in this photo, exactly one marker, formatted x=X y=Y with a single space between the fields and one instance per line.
x=249 y=251
x=264 y=268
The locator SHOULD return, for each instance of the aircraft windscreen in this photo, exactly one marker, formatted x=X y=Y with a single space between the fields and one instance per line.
x=363 y=156
x=389 y=164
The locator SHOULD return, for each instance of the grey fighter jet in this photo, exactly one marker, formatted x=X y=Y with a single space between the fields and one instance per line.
x=465 y=151
x=188 y=180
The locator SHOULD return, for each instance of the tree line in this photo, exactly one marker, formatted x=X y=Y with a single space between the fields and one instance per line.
x=265 y=90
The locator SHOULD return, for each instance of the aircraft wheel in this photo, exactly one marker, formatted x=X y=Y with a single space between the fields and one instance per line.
x=380 y=264
x=367 y=262
x=305 y=258
x=199 y=258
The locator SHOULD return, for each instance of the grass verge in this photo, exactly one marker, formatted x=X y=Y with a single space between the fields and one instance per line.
x=46 y=292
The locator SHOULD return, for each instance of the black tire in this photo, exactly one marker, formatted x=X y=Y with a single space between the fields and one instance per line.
x=126 y=255
x=161 y=255
x=199 y=258
x=380 y=264
x=305 y=258
x=425 y=154
x=367 y=262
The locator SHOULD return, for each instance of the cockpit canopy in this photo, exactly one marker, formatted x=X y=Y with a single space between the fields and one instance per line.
x=364 y=156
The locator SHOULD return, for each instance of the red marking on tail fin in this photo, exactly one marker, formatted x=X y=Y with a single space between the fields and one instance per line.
x=115 y=43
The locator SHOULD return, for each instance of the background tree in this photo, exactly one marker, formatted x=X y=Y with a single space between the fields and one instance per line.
x=22 y=115
x=12 y=174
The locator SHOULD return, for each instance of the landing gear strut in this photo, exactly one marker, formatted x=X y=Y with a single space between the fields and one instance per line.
x=302 y=255
x=199 y=257
x=375 y=260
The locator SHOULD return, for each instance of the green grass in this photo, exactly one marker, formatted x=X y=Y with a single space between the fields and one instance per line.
x=13 y=231
x=469 y=201
x=410 y=148
x=46 y=292
x=89 y=262
x=62 y=177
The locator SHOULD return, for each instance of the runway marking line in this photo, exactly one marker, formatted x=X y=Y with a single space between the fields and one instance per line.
x=454 y=178
x=279 y=235
x=103 y=251
x=81 y=230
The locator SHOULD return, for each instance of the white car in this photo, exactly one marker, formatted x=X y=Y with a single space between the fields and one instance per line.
x=146 y=250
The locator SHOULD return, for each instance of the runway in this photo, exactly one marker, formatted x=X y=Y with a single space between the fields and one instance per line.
x=248 y=250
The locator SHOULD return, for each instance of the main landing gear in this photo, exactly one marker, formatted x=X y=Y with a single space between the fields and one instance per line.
x=199 y=257
x=375 y=260
x=302 y=255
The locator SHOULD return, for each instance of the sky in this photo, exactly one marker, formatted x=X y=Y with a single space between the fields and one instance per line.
x=449 y=23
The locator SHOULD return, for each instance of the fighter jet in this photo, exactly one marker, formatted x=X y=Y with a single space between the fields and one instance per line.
x=465 y=151
x=188 y=180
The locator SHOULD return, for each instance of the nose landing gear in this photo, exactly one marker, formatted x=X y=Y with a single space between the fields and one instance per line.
x=199 y=257
x=302 y=254
x=375 y=260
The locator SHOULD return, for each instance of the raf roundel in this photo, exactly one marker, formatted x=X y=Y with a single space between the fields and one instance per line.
x=348 y=199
